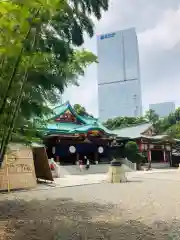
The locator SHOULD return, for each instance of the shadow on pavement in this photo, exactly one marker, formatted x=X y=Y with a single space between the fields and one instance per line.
x=66 y=219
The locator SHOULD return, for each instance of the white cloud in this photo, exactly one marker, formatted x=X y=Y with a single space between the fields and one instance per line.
x=160 y=59
x=165 y=34
x=157 y=23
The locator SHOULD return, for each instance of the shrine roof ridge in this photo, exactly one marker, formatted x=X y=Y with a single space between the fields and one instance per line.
x=67 y=106
x=132 y=132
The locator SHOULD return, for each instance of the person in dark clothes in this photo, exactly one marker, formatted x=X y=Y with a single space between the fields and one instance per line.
x=87 y=163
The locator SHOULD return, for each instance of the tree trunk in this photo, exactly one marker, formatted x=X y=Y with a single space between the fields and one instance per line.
x=2 y=63
x=3 y=105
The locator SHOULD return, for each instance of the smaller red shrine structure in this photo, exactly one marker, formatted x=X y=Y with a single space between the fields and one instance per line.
x=157 y=148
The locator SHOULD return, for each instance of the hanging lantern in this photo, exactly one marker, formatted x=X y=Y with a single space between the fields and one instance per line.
x=168 y=148
x=145 y=146
x=100 y=149
x=72 y=149
x=53 y=150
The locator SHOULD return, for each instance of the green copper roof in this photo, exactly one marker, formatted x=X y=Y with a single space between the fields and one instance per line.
x=87 y=123
x=60 y=109
x=89 y=120
x=67 y=106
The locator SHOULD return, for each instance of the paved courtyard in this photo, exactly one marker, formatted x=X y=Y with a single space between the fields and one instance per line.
x=147 y=207
x=89 y=178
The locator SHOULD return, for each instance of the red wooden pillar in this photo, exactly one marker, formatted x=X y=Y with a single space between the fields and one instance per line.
x=140 y=145
x=149 y=155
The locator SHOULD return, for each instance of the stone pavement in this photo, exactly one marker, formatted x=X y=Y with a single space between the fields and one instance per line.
x=74 y=180
x=94 y=169
x=144 y=210
x=163 y=174
x=78 y=180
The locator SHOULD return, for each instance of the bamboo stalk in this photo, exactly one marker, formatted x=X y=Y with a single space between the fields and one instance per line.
x=14 y=116
x=6 y=138
x=17 y=63
x=13 y=75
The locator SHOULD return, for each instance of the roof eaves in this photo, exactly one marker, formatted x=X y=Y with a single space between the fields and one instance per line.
x=56 y=114
x=89 y=127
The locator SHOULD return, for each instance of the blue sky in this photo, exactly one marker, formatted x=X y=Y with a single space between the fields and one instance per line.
x=157 y=23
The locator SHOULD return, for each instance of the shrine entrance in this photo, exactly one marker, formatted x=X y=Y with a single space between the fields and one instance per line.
x=157 y=156
x=157 y=150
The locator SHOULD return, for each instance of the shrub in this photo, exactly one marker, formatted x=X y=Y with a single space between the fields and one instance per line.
x=132 y=151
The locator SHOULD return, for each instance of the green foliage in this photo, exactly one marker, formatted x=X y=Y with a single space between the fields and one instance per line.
x=168 y=125
x=38 y=56
x=177 y=114
x=81 y=110
x=131 y=148
x=133 y=154
x=151 y=116
x=121 y=122
x=174 y=131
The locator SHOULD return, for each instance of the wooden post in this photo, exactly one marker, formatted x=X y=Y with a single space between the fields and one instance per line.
x=170 y=156
x=149 y=157
x=7 y=173
x=164 y=155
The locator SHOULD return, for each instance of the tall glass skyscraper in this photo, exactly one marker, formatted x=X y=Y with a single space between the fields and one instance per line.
x=119 y=87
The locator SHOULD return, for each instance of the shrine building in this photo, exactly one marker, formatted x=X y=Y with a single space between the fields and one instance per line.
x=157 y=148
x=69 y=137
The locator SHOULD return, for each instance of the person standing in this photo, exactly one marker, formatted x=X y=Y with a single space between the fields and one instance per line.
x=81 y=165
x=87 y=162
